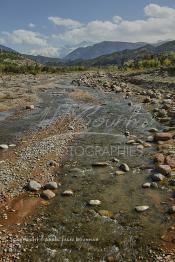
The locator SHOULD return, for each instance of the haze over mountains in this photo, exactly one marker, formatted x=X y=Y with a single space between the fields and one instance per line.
x=104 y=53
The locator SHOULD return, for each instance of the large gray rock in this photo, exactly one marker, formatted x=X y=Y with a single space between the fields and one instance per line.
x=51 y=185
x=33 y=186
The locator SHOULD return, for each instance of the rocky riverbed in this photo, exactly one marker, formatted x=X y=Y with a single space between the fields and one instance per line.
x=113 y=191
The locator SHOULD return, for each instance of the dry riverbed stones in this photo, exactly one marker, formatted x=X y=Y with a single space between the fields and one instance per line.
x=47 y=194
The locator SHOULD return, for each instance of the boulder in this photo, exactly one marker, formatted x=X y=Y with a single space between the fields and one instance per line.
x=47 y=194
x=51 y=185
x=164 y=169
x=170 y=160
x=159 y=158
x=164 y=136
x=33 y=186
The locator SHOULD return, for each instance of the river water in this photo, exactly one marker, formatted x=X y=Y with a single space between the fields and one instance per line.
x=72 y=230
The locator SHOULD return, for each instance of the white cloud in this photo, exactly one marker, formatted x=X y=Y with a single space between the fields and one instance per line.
x=2 y=41
x=157 y=25
x=25 y=37
x=64 y=22
x=48 y=51
x=31 y=25
x=153 y=10
x=117 y=19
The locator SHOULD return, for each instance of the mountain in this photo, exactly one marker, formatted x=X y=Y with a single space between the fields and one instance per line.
x=103 y=48
x=166 y=47
x=7 y=49
x=118 y=58
x=44 y=60
x=67 y=49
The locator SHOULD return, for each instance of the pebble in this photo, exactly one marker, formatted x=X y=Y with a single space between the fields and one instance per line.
x=67 y=193
x=116 y=160
x=141 y=208
x=154 y=185
x=47 y=194
x=153 y=130
x=31 y=107
x=140 y=147
x=158 y=177
x=3 y=146
x=146 y=185
x=119 y=173
x=12 y=145
x=172 y=210
x=77 y=172
x=124 y=167
x=110 y=259
x=159 y=157
x=150 y=139
x=94 y=202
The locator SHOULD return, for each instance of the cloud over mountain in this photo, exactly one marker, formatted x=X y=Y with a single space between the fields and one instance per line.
x=157 y=24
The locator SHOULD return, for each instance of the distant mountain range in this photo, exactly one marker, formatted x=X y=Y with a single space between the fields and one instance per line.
x=118 y=58
x=103 y=48
x=125 y=51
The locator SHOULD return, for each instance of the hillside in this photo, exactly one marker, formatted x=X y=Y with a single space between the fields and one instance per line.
x=13 y=62
x=45 y=60
x=103 y=48
x=120 y=58
x=5 y=48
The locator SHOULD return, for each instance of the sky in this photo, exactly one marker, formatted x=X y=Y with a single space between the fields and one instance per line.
x=55 y=27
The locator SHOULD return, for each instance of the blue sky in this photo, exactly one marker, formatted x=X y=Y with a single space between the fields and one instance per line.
x=55 y=27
